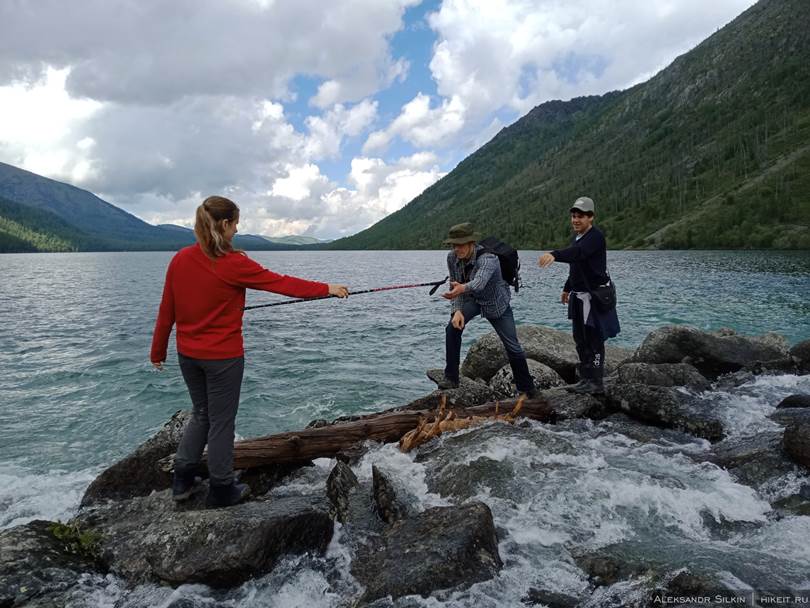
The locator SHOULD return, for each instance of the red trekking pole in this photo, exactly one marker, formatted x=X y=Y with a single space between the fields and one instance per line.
x=436 y=285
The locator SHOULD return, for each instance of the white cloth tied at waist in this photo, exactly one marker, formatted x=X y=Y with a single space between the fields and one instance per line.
x=586 y=304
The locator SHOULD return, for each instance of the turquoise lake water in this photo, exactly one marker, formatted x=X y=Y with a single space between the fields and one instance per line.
x=77 y=392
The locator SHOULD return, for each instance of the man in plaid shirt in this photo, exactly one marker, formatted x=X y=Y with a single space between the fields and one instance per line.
x=477 y=287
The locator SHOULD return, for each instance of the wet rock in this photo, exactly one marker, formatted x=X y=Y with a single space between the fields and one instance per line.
x=263 y=479
x=464 y=480
x=146 y=539
x=666 y=407
x=139 y=474
x=389 y=506
x=790 y=415
x=644 y=433
x=551 y=347
x=688 y=584
x=711 y=354
x=785 y=365
x=340 y=485
x=663 y=374
x=469 y=392
x=441 y=548
x=550 y=599
x=797 y=443
x=37 y=568
x=570 y=405
x=797 y=504
x=794 y=401
x=752 y=461
x=727 y=382
x=503 y=382
x=801 y=353
x=352 y=502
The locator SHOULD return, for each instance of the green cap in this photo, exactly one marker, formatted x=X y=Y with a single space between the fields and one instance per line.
x=461 y=234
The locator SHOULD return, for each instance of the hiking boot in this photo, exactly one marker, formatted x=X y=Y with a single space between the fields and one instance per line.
x=182 y=485
x=579 y=386
x=226 y=496
x=447 y=383
x=588 y=387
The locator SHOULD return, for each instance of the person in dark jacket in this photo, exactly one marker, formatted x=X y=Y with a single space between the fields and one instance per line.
x=587 y=270
x=477 y=287
x=203 y=297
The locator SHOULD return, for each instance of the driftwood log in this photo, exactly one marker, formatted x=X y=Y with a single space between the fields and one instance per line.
x=386 y=427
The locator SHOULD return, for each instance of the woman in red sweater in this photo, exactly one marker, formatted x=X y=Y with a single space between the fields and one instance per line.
x=204 y=296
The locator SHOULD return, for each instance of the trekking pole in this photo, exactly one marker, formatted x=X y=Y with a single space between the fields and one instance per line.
x=436 y=285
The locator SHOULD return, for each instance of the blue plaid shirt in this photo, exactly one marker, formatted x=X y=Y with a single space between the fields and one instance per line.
x=485 y=285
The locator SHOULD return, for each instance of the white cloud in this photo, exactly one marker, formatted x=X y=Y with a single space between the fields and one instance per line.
x=153 y=52
x=327 y=131
x=420 y=124
x=305 y=201
x=39 y=126
x=298 y=183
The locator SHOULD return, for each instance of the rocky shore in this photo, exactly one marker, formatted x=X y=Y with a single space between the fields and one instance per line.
x=128 y=526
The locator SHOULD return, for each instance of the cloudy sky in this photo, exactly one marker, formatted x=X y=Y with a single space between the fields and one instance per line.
x=318 y=117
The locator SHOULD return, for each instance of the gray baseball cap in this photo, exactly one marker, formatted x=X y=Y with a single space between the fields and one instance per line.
x=584 y=204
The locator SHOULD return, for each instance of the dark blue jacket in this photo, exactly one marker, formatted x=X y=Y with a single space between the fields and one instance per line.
x=587 y=269
x=587 y=260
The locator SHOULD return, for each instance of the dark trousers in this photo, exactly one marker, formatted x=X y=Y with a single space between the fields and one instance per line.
x=505 y=328
x=589 y=343
x=214 y=386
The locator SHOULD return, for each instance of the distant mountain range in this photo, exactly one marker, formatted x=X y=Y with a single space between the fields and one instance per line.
x=41 y=214
x=712 y=152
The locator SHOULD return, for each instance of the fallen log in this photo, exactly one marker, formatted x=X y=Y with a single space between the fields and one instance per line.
x=387 y=427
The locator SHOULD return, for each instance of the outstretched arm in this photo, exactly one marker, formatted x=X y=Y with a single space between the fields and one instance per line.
x=163 y=324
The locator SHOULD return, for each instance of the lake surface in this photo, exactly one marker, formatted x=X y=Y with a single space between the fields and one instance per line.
x=77 y=391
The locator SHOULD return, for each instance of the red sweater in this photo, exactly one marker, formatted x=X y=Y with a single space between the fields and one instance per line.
x=205 y=299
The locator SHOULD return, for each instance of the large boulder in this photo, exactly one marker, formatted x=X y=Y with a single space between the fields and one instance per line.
x=801 y=353
x=663 y=374
x=441 y=548
x=666 y=407
x=503 y=382
x=711 y=353
x=40 y=561
x=551 y=347
x=149 y=539
x=139 y=473
x=797 y=443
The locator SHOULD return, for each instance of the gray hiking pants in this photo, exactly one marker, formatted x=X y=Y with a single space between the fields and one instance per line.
x=214 y=386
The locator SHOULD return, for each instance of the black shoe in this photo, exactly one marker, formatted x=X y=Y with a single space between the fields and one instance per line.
x=447 y=383
x=579 y=386
x=226 y=496
x=588 y=387
x=182 y=485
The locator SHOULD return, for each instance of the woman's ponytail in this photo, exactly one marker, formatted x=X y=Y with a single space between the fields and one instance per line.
x=208 y=225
